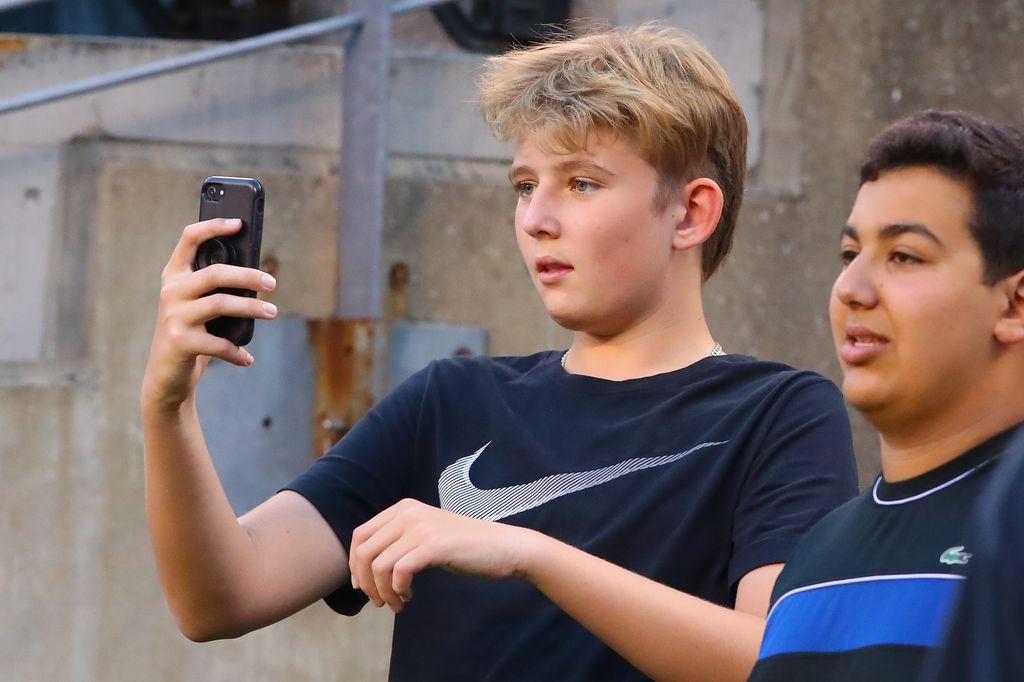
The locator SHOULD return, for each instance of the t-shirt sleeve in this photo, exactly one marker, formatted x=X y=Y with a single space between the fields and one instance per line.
x=367 y=471
x=803 y=468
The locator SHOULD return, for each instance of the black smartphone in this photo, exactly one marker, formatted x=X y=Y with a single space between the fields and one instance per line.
x=242 y=198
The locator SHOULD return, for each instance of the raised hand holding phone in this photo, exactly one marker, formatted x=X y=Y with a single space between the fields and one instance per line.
x=208 y=292
x=241 y=198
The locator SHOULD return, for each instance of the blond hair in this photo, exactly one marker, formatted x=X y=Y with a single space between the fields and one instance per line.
x=656 y=86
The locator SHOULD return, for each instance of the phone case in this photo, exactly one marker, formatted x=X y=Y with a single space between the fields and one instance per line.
x=227 y=197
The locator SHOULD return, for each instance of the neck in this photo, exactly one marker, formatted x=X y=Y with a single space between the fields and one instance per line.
x=645 y=350
x=918 y=448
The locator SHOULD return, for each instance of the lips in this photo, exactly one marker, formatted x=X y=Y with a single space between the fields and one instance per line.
x=861 y=345
x=550 y=270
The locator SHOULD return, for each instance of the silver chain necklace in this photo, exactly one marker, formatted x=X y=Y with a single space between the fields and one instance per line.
x=715 y=350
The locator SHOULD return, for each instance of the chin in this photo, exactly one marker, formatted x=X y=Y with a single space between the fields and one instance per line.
x=578 y=321
x=573 y=323
x=868 y=398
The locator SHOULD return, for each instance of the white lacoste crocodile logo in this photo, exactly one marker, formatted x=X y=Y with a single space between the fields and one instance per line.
x=955 y=556
x=458 y=494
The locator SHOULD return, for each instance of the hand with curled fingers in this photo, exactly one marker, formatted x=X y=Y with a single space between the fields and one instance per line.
x=181 y=345
x=391 y=548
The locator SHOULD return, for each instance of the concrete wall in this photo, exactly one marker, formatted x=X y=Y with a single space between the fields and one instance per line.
x=94 y=192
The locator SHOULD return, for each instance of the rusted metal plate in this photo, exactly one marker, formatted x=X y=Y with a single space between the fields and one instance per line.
x=344 y=353
x=257 y=420
x=12 y=43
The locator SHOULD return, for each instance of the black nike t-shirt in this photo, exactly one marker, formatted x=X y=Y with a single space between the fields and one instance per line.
x=692 y=478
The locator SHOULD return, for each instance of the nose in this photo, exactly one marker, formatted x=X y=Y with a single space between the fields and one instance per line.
x=537 y=214
x=855 y=287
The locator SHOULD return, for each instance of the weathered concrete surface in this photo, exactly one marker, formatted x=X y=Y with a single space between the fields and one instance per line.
x=23 y=277
x=86 y=226
x=120 y=209
x=452 y=224
x=839 y=72
x=732 y=30
x=85 y=603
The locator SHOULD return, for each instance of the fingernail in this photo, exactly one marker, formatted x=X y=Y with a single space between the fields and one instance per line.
x=270 y=309
x=233 y=222
x=355 y=585
x=267 y=281
x=249 y=359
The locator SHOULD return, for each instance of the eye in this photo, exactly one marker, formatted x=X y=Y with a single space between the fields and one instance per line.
x=524 y=188
x=904 y=258
x=581 y=186
x=846 y=256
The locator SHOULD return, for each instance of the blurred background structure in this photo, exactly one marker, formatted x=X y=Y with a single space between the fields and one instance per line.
x=94 y=192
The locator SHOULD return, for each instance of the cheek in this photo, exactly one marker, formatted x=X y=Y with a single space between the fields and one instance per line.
x=623 y=247
x=964 y=328
x=632 y=243
x=837 y=316
x=608 y=247
x=942 y=332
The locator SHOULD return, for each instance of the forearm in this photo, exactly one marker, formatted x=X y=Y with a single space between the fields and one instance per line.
x=667 y=634
x=204 y=557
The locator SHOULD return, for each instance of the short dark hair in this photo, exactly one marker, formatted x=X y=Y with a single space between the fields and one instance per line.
x=988 y=157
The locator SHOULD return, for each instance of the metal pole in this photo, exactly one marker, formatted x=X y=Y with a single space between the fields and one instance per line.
x=364 y=153
x=185 y=61
x=364 y=149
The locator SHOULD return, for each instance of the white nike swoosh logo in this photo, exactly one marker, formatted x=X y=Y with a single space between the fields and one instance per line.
x=459 y=495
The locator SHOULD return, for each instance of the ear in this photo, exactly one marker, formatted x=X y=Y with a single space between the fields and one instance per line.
x=1010 y=326
x=701 y=202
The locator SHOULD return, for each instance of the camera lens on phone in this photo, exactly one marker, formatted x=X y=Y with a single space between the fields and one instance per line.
x=212 y=192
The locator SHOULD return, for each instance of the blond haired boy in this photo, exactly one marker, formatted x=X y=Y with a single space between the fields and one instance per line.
x=641 y=488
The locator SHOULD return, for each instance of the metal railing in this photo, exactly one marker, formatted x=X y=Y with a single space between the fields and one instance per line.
x=15 y=4
x=363 y=135
x=197 y=58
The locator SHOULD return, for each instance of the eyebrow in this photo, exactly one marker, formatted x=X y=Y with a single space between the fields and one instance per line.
x=563 y=167
x=894 y=230
x=518 y=170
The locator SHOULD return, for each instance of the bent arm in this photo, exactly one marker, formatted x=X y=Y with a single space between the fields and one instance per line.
x=665 y=633
x=223 y=576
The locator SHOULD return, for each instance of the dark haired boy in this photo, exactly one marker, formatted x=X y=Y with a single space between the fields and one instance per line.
x=928 y=320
